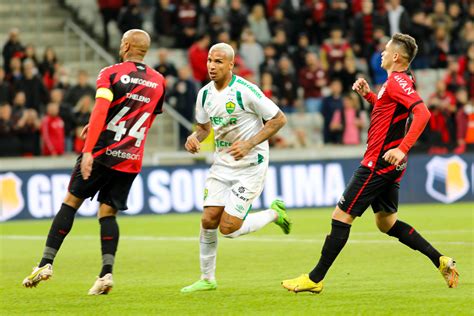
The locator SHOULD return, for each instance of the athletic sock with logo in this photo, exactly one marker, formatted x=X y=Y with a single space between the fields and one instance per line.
x=409 y=236
x=208 y=253
x=333 y=245
x=109 y=237
x=254 y=222
x=62 y=224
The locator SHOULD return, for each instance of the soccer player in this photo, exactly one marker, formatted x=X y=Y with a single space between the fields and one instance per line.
x=236 y=109
x=376 y=182
x=129 y=96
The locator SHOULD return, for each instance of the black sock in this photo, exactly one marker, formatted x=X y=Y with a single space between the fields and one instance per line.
x=333 y=245
x=409 y=236
x=109 y=237
x=62 y=224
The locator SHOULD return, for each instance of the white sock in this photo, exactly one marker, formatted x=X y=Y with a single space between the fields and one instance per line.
x=254 y=222
x=207 y=253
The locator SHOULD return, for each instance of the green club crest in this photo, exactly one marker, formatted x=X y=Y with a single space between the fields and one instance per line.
x=230 y=107
x=206 y=193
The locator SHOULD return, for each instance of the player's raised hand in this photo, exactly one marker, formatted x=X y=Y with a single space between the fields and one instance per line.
x=86 y=165
x=192 y=144
x=240 y=149
x=84 y=131
x=361 y=86
x=394 y=156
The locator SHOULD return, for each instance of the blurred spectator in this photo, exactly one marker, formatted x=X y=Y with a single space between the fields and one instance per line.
x=334 y=49
x=312 y=79
x=465 y=58
x=457 y=22
x=19 y=104
x=442 y=105
x=443 y=97
x=251 y=52
x=197 y=56
x=280 y=43
x=74 y=93
x=237 y=19
x=48 y=67
x=365 y=24
x=337 y=15
x=452 y=78
x=421 y=32
x=5 y=93
x=439 y=17
x=349 y=74
x=315 y=19
x=9 y=142
x=240 y=68
x=293 y=12
x=398 y=18
x=279 y=21
x=130 y=16
x=285 y=80
x=12 y=48
x=36 y=93
x=30 y=54
x=165 y=67
x=440 y=48
x=258 y=24
x=182 y=96
x=347 y=122
x=16 y=73
x=61 y=78
x=270 y=62
x=469 y=77
x=109 y=9
x=330 y=105
x=52 y=132
x=269 y=89
x=379 y=74
x=187 y=23
x=81 y=115
x=164 y=21
x=27 y=129
x=67 y=115
x=299 y=54
x=464 y=122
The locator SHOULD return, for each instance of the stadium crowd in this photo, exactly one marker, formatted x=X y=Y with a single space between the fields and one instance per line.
x=304 y=54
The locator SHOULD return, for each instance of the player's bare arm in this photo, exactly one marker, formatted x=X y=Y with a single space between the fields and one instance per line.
x=241 y=148
x=193 y=142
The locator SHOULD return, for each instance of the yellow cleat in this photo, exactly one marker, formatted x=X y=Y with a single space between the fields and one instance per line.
x=447 y=267
x=302 y=284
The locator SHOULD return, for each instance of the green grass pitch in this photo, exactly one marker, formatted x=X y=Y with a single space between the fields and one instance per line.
x=157 y=255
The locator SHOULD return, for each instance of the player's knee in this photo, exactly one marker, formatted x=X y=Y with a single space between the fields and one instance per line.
x=209 y=222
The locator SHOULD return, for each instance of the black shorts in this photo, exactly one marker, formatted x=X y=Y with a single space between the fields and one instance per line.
x=368 y=188
x=113 y=186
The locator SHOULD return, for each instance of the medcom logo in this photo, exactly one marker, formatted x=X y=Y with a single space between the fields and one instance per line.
x=447 y=179
x=11 y=199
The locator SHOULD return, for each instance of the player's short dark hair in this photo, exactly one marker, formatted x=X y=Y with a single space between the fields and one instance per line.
x=408 y=45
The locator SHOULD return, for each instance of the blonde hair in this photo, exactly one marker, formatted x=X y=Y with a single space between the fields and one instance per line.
x=223 y=47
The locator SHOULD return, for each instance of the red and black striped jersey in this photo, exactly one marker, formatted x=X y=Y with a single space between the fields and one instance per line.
x=392 y=107
x=137 y=97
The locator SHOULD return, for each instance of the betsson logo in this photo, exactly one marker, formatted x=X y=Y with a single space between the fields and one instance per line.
x=121 y=154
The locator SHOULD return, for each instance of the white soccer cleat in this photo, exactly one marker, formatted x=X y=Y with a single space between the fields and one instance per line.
x=102 y=285
x=39 y=274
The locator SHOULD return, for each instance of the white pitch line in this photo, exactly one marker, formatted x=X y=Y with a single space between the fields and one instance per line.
x=245 y=239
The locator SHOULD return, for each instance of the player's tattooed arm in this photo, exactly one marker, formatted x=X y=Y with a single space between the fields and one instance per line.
x=193 y=142
x=241 y=148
